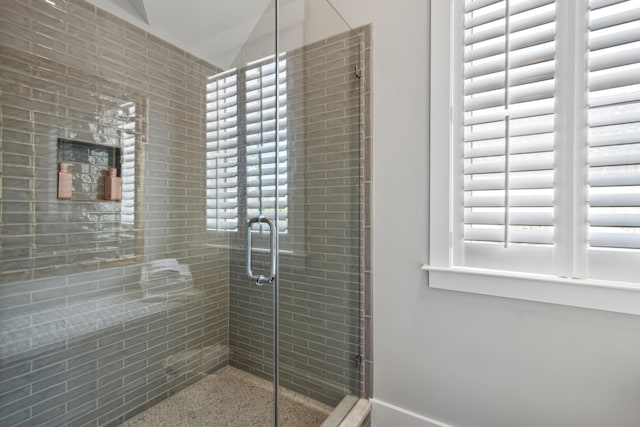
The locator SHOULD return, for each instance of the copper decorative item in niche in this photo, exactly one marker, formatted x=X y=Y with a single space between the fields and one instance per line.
x=113 y=185
x=64 y=182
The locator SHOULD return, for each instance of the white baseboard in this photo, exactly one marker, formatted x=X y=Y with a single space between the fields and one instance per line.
x=384 y=414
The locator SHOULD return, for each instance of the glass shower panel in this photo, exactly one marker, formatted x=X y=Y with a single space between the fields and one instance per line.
x=111 y=305
x=321 y=254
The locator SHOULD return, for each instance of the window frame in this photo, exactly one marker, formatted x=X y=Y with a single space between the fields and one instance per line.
x=567 y=286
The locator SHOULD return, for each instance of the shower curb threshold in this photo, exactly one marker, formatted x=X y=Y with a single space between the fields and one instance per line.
x=350 y=412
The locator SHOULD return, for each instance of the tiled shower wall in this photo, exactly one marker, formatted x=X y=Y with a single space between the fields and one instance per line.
x=91 y=331
x=320 y=306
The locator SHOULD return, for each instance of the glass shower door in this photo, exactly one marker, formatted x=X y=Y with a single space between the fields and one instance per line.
x=321 y=249
x=303 y=178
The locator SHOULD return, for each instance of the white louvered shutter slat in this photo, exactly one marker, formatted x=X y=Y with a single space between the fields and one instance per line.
x=615 y=220
x=541 y=200
x=519 y=235
x=613 y=119
x=544 y=35
x=473 y=5
x=597 y=4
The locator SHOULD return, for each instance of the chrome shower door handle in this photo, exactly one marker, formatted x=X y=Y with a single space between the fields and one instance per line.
x=259 y=278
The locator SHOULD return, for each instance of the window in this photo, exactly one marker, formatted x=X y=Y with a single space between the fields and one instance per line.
x=222 y=151
x=128 y=165
x=541 y=144
x=241 y=146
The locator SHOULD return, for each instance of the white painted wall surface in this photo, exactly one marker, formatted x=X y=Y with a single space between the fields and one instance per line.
x=449 y=358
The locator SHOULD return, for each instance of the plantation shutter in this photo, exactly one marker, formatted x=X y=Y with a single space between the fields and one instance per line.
x=262 y=159
x=128 y=166
x=246 y=146
x=508 y=123
x=613 y=119
x=222 y=151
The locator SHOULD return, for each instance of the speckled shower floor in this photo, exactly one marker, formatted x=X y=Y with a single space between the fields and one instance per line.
x=231 y=398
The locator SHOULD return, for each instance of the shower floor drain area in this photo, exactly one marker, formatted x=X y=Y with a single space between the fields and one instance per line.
x=231 y=398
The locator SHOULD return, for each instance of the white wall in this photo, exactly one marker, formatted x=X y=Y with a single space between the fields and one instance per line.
x=465 y=360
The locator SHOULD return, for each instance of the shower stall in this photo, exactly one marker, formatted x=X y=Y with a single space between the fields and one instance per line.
x=182 y=212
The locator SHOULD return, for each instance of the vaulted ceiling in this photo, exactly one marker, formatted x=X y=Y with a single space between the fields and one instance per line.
x=230 y=33
x=213 y=30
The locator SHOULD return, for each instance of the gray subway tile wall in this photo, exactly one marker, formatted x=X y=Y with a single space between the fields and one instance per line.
x=90 y=332
x=105 y=312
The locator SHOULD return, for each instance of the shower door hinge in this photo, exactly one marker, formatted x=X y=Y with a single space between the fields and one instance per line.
x=358 y=360
x=358 y=71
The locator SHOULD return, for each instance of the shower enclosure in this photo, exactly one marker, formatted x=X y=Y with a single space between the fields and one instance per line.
x=223 y=286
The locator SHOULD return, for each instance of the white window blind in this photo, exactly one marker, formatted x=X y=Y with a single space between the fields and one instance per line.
x=242 y=160
x=222 y=151
x=128 y=165
x=614 y=124
x=546 y=146
x=262 y=159
x=508 y=126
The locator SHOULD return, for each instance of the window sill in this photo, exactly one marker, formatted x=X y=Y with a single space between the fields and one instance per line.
x=599 y=295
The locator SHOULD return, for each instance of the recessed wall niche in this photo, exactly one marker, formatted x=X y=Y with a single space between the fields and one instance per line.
x=91 y=123
x=88 y=164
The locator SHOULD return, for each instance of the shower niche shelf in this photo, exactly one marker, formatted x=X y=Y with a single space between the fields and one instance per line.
x=102 y=156
x=88 y=163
